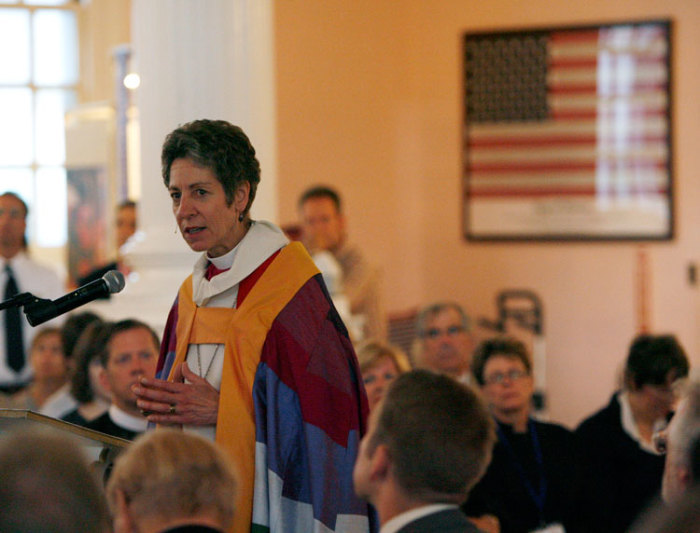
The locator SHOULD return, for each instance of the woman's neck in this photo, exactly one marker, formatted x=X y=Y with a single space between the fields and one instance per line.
x=645 y=422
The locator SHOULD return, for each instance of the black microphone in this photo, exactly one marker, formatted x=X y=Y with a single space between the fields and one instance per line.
x=40 y=311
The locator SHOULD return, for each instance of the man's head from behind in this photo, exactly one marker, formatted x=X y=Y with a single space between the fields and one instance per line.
x=322 y=220
x=168 y=478
x=47 y=486
x=128 y=351
x=683 y=437
x=430 y=439
x=444 y=342
x=13 y=224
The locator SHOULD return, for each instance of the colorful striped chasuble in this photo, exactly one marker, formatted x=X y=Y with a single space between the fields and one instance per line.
x=245 y=332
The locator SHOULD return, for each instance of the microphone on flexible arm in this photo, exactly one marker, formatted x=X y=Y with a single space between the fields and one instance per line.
x=41 y=310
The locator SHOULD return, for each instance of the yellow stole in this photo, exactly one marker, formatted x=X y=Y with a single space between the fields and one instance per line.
x=242 y=331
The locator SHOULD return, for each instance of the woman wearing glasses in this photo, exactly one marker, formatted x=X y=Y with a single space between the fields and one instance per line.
x=528 y=484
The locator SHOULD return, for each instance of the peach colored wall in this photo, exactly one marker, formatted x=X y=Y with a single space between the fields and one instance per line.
x=369 y=100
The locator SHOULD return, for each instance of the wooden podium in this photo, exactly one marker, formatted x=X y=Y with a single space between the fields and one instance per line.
x=100 y=449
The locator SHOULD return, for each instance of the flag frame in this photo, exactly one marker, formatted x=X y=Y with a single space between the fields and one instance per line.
x=596 y=164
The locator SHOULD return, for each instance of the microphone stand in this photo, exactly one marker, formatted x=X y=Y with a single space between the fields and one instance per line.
x=26 y=300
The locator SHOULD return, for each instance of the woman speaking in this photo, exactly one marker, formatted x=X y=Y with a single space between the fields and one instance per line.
x=254 y=354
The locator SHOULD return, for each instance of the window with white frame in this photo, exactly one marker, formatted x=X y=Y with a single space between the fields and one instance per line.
x=38 y=84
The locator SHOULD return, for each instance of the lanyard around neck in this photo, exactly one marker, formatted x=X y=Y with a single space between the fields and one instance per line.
x=540 y=495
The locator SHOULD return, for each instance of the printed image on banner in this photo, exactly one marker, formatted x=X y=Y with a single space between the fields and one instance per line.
x=567 y=133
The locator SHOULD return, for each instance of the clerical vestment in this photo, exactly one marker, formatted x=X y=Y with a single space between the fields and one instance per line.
x=292 y=409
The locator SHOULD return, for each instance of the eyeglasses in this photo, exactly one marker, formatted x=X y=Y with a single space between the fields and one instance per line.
x=451 y=331
x=500 y=377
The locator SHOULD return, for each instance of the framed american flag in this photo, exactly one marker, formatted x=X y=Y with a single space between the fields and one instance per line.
x=567 y=133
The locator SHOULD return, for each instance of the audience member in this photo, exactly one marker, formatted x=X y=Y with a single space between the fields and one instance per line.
x=254 y=354
x=85 y=386
x=682 y=437
x=19 y=274
x=324 y=229
x=46 y=485
x=50 y=371
x=527 y=485
x=62 y=401
x=619 y=469
x=443 y=340
x=128 y=352
x=170 y=481
x=681 y=516
x=428 y=443
x=380 y=364
x=125 y=226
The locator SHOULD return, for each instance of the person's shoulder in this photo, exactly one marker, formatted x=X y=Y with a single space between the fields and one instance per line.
x=447 y=521
x=603 y=418
x=349 y=252
x=553 y=429
x=26 y=263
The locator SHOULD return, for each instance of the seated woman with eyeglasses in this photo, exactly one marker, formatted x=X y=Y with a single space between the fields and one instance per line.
x=620 y=470
x=527 y=485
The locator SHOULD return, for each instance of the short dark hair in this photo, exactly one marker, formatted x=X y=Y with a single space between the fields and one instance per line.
x=653 y=359
x=26 y=211
x=219 y=146
x=321 y=191
x=499 y=346
x=86 y=349
x=118 y=327
x=126 y=204
x=47 y=485
x=438 y=432
x=73 y=327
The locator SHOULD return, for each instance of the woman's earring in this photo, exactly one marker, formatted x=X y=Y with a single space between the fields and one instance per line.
x=240 y=217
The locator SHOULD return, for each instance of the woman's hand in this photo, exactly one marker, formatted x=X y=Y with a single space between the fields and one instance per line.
x=195 y=403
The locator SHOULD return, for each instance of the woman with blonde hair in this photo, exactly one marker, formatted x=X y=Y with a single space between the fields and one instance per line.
x=380 y=364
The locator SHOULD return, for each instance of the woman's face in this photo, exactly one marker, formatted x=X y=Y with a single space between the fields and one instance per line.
x=94 y=370
x=206 y=221
x=507 y=385
x=47 y=358
x=658 y=400
x=377 y=378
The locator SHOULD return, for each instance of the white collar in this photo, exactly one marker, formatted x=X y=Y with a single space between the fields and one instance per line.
x=127 y=421
x=260 y=242
x=629 y=425
x=400 y=520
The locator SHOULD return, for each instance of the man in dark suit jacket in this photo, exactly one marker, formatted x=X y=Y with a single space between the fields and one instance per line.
x=428 y=442
x=128 y=351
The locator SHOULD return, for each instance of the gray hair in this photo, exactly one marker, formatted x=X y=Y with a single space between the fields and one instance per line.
x=429 y=311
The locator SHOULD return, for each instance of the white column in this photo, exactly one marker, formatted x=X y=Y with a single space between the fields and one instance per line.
x=197 y=59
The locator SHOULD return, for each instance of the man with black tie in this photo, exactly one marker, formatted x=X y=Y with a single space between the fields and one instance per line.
x=429 y=441
x=18 y=274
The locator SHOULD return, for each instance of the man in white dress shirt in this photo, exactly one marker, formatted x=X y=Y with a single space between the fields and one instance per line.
x=29 y=276
x=429 y=441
